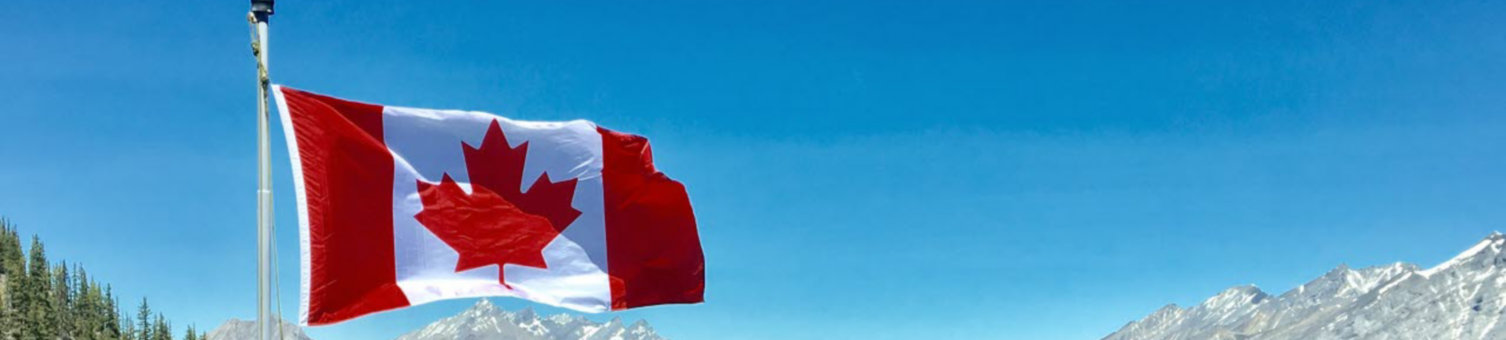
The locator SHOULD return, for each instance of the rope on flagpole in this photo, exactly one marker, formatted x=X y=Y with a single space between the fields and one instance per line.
x=262 y=79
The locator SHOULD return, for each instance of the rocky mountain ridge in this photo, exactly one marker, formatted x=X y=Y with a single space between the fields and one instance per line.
x=1462 y=298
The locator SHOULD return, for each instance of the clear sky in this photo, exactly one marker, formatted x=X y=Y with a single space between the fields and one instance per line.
x=859 y=169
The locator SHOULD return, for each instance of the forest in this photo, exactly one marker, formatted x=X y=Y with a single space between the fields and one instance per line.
x=40 y=300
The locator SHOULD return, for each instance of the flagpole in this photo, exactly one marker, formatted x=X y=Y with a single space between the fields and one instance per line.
x=261 y=12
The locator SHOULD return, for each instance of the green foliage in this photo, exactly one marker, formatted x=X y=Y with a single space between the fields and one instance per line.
x=127 y=328
x=62 y=300
x=162 y=330
x=112 y=316
x=39 y=301
x=40 y=306
x=13 y=272
x=144 y=327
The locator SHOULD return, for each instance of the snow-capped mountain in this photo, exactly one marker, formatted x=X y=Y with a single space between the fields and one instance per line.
x=237 y=329
x=486 y=321
x=1462 y=298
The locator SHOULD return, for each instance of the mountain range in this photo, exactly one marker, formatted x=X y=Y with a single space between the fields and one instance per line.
x=1462 y=298
x=237 y=329
x=486 y=321
x=483 y=321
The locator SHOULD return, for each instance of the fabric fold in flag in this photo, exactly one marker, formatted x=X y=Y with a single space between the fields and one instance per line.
x=403 y=206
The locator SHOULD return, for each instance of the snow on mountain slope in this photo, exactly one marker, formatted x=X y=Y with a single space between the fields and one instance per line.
x=1462 y=298
x=486 y=321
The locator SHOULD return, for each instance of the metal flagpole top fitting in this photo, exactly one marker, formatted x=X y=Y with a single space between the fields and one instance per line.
x=262 y=9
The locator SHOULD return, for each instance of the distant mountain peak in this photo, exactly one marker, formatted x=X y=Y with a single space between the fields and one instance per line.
x=1461 y=298
x=1167 y=311
x=237 y=329
x=526 y=313
x=1242 y=294
x=1485 y=253
x=1342 y=269
x=566 y=318
x=483 y=306
x=1245 y=289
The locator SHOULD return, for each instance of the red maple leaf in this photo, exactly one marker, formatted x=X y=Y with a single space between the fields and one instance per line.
x=497 y=223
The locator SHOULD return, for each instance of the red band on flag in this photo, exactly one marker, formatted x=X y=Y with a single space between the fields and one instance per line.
x=347 y=174
x=653 y=251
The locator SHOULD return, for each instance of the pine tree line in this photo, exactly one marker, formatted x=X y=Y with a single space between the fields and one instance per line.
x=39 y=301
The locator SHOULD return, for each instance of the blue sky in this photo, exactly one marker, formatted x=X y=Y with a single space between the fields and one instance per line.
x=862 y=169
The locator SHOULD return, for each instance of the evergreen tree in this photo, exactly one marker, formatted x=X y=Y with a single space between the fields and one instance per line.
x=127 y=327
x=62 y=300
x=144 y=321
x=39 y=301
x=190 y=334
x=6 y=294
x=14 y=261
x=41 y=322
x=162 y=329
x=85 y=312
x=112 y=315
x=13 y=266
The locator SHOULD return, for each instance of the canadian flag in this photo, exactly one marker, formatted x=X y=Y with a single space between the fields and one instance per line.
x=403 y=206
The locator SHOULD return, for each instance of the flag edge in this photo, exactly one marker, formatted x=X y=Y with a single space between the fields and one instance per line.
x=301 y=196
